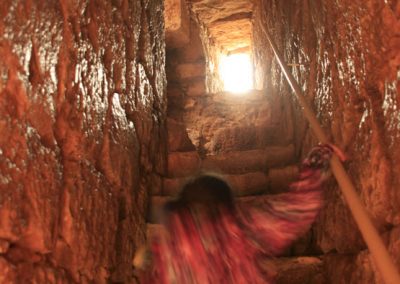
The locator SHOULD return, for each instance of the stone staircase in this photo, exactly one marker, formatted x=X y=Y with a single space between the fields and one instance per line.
x=244 y=139
x=251 y=183
x=289 y=270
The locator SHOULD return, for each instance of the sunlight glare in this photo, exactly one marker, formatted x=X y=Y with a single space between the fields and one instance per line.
x=236 y=73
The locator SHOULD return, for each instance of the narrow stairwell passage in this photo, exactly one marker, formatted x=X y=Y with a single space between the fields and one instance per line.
x=248 y=139
x=253 y=140
x=106 y=107
x=244 y=147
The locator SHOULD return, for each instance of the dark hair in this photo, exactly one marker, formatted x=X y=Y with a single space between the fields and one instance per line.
x=205 y=189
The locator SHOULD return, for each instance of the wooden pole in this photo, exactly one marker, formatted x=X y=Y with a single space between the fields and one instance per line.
x=374 y=242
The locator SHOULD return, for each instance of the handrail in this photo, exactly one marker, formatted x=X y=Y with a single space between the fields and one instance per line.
x=374 y=242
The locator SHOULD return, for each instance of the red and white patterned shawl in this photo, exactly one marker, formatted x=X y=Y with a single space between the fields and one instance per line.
x=198 y=248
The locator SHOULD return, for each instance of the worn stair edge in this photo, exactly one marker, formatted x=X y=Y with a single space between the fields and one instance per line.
x=252 y=183
x=181 y=164
x=239 y=162
x=247 y=137
x=241 y=184
x=295 y=270
x=280 y=178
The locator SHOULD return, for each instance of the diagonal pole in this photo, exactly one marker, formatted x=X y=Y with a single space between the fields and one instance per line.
x=374 y=242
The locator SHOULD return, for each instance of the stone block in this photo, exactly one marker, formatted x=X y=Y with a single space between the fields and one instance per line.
x=242 y=137
x=172 y=186
x=241 y=184
x=232 y=35
x=249 y=161
x=187 y=71
x=296 y=270
x=350 y=268
x=177 y=23
x=280 y=178
x=195 y=87
x=181 y=164
x=155 y=183
x=178 y=139
x=193 y=51
x=174 y=90
x=248 y=184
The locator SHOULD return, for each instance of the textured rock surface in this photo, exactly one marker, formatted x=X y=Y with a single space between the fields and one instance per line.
x=228 y=22
x=223 y=122
x=280 y=178
x=82 y=127
x=182 y=164
x=351 y=269
x=348 y=58
x=211 y=11
x=239 y=162
x=178 y=139
x=297 y=270
x=242 y=184
x=177 y=23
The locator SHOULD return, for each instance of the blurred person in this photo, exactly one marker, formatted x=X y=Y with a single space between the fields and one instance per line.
x=210 y=238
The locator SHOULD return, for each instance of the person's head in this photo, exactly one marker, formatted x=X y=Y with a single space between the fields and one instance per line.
x=207 y=190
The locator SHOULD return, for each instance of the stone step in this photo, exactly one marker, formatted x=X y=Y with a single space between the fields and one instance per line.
x=280 y=178
x=182 y=164
x=295 y=270
x=235 y=123
x=277 y=180
x=245 y=186
x=189 y=71
x=246 y=97
x=246 y=137
x=195 y=88
x=172 y=186
x=239 y=162
x=241 y=184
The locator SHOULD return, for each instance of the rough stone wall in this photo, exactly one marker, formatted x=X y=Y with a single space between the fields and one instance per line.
x=186 y=81
x=248 y=138
x=216 y=131
x=348 y=58
x=177 y=23
x=82 y=113
x=212 y=53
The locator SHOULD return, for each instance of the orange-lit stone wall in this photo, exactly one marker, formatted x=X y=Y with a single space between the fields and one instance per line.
x=346 y=57
x=82 y=142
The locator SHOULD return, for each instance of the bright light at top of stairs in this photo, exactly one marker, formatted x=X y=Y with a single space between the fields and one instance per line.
x=236 y=72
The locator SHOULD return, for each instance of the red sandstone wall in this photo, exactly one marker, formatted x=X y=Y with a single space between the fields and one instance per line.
x=349 y=56
x=82 y=112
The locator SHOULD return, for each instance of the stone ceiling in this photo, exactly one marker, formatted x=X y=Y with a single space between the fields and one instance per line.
x=228 y=21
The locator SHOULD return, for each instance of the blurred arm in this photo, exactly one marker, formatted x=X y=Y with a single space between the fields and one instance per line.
x=275 y=221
